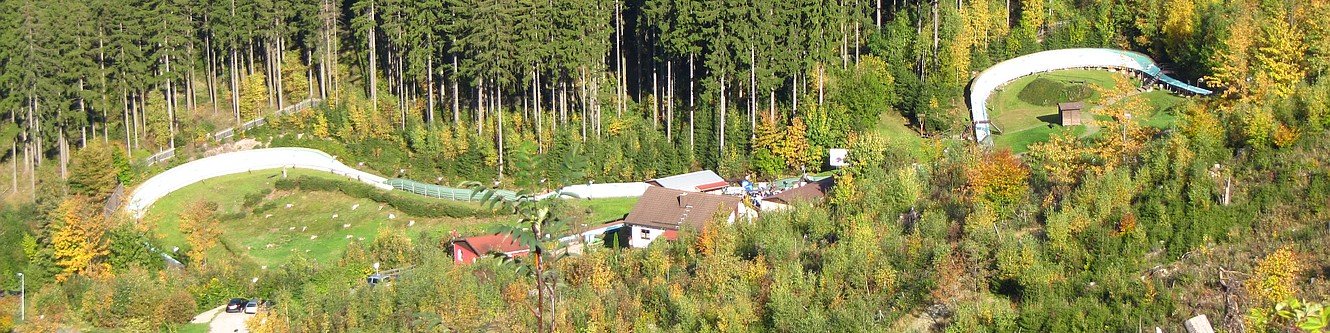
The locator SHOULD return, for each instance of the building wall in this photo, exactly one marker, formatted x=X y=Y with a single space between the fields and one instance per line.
x=641 y=236
x=742 y=213
x=772 y=206
x=463 y=255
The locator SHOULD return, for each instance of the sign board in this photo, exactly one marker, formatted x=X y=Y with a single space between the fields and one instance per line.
x=837 y=157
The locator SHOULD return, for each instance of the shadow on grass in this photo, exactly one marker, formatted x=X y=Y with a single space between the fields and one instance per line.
x=1051 y=119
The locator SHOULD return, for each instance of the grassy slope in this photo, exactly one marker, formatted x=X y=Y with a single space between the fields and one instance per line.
x=312 y=212
x=194 y=328
x=1011 y=114
x=1162 y=117
x=1019 y=142
x=897 y=129
x=289 y=230
x=605 y=210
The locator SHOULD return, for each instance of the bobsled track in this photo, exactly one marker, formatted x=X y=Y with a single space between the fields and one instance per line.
x=1085 y=58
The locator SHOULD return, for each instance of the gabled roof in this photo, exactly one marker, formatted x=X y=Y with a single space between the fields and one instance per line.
x=700 y=181
x=1067 y=106
x=501 y=243
x=668 y=209
x=811 y=191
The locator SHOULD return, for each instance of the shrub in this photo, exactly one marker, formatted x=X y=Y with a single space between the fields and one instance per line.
x=266 y=206
x=407 y=203
x=177 y=308
x=253 y=198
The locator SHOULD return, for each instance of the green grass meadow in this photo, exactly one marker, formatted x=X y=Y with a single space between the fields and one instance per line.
x=1026 y=112
x=318 y=225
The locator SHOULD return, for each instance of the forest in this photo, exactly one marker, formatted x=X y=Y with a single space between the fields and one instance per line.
x=1220 y=209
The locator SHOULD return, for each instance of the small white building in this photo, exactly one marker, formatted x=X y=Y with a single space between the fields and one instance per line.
x=662 y=212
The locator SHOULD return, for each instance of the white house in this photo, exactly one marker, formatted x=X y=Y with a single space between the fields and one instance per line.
x=661 y=212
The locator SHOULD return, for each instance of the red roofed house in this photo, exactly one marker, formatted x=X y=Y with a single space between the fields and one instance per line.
x=706 y=181
x=467 y=250
x=662 y=212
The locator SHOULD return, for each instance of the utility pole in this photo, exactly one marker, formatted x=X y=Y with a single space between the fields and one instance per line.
x=22 y=298
x=1127 y=118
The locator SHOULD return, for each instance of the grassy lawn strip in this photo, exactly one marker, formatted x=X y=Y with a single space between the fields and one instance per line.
x=1019 y=142
x=1163 y=102
x=896 y=128
x=316 y=224
x=194 y=328
x=1024 y=123
x=1012 y=114
x=603 y=210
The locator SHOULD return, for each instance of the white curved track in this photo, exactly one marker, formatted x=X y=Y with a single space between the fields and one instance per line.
x=304 y=158
x=238 y=162
x=994 y=77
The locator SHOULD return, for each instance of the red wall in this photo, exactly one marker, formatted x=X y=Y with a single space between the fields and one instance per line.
x=463 y=254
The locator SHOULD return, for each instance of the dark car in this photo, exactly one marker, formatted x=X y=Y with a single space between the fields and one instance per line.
x=236 y=305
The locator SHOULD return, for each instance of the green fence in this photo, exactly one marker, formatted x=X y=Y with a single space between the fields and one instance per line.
x=444 y=192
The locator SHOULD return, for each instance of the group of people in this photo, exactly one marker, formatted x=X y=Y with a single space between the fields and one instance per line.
x=758 y=191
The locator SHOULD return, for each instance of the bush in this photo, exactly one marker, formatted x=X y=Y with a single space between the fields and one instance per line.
x=177 y=308
x=407 y=203
x=253 y=198
x=266 y=206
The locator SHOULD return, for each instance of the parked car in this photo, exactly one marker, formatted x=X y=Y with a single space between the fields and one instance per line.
x=252 y=307
x=378 y=278
x=266 y=304
x=236 y=305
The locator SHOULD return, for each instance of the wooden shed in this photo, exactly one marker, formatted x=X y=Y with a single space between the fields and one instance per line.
x=1071 y=113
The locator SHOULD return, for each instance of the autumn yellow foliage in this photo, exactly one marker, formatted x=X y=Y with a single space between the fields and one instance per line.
x=268 y=322
x=200 y=228
x=998 y=178
x=78 y=240
x=1274 y=277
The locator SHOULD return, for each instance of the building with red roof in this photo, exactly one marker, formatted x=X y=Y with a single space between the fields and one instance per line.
x=662 y=212
x=467 y=250
x=705 y=181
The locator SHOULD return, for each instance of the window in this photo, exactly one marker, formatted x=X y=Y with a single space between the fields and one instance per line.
x=646 y=233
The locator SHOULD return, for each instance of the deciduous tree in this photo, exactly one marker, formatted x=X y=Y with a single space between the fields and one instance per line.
x=78 y=240
x=201 y=229
x=1000 y=179
x=94 y=173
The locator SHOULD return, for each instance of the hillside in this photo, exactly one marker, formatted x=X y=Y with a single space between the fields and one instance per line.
x=1197 y=184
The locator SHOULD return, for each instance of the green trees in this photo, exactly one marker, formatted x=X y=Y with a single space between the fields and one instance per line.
x=866 y=92
x=136 y=68
x=253 y=96
x=94 y=173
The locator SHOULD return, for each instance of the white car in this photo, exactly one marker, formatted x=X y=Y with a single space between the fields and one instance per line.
x=252 y=307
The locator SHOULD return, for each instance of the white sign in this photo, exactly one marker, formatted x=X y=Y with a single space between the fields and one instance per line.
x=836 y=157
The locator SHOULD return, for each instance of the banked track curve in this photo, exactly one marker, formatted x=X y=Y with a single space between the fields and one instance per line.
x=983 y=85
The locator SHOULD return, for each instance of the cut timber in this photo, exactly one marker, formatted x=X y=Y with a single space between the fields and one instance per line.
x=1199 y=324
